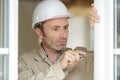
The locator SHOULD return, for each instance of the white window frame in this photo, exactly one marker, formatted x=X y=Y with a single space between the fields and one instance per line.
x=103 y=41
x=12 y=50
x=13 y=39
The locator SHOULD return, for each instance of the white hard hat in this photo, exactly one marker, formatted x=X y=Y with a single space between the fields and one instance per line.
x=49 y=9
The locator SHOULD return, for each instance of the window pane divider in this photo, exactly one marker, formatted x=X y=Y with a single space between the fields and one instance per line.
x=3 y=50
x=117 y=51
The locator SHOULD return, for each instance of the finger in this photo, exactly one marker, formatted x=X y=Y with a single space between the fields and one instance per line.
x=77 y=57
x=92 y=23
x=69 y=55
x=82 y=53
x=92 y=4
x=94 y=18
x=93 y=8
x=76 y=54
x=94 y=13
x=71 y=61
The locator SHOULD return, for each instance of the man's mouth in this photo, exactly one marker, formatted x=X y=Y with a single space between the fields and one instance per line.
x=63 y=42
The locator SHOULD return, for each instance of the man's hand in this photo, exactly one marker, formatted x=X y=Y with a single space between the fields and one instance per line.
x=71 y=58
x=93 y=17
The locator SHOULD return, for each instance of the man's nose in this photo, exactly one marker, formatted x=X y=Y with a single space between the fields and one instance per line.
x=64 y=33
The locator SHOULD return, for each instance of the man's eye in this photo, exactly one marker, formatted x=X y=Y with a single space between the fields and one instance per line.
x=66 y=27
x=55 y=29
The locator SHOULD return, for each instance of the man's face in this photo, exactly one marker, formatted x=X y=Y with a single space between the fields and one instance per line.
x=55 y=33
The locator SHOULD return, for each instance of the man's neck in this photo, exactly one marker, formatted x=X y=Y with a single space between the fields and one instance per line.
x=52 y=54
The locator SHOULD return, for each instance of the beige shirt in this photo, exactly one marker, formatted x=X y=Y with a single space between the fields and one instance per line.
x=36 y=66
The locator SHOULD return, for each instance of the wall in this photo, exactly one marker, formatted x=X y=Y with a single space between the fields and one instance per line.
x=27 y=36
x=79 y=32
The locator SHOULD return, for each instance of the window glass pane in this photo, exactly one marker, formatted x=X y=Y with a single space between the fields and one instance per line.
x=117 y=67
x=4 y=67
x=118 y=23
x=117 y=39
x=4 y=28
x=0 y=68
x=1 y=23
x=4 y=39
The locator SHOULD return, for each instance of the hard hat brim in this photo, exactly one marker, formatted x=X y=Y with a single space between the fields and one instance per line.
x=60 y=16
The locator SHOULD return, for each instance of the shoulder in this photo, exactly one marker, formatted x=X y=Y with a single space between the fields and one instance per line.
x=28 y=55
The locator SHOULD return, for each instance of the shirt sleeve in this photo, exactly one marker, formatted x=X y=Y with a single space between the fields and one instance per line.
x=54 y=72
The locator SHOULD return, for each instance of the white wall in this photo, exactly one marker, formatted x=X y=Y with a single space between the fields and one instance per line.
x=79 y=32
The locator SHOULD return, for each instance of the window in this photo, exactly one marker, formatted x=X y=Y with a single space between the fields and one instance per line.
x=8 y=39
x=4 y=40
x=106 y=45
x=117 y=39
x=103 y=41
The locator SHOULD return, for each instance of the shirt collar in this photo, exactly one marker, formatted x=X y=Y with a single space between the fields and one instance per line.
x=42 y=55
x=47 y=56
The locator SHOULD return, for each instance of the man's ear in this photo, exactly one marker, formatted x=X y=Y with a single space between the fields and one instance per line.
x=39 y=33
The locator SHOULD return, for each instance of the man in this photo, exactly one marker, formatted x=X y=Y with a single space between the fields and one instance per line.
x=52 y=60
